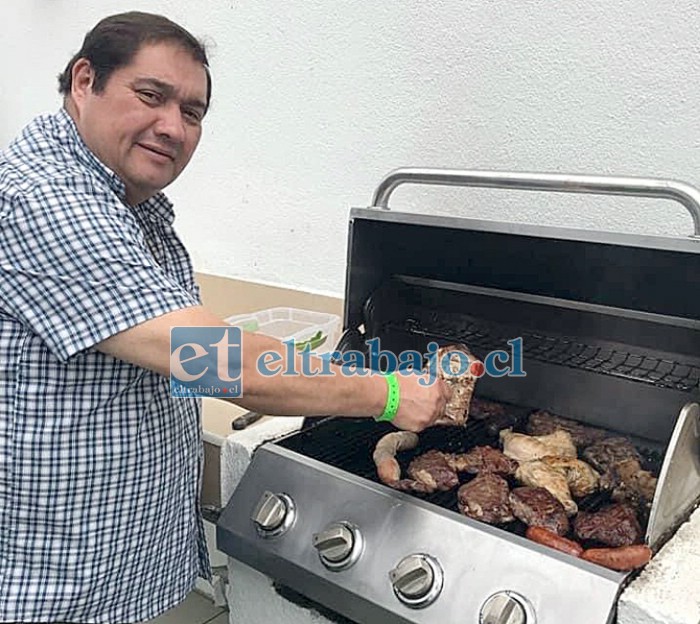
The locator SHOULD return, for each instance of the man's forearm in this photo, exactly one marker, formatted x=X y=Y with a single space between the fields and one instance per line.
x=337 y=393
x=293 y=393
x=305 y=384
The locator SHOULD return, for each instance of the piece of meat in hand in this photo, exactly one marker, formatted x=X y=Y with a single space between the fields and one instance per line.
x=453 y=364
x=604 y=454
x=483 y=459
x=523 y=448
x=429 y=472
x=485 y=498
x=543 y=423
x=614 y=525
x=535 y=506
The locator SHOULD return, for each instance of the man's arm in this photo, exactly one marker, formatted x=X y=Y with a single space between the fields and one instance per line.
x=148 y=345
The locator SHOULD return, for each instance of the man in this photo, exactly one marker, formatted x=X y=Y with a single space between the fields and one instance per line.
x=99 y=465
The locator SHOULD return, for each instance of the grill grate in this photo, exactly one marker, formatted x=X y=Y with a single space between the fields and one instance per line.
x=553 y=349
x=348 y=443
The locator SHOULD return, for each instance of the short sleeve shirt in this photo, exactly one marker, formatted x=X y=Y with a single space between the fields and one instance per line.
x=99 y=466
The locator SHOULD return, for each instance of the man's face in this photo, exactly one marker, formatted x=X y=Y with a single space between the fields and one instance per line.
x=146 y=123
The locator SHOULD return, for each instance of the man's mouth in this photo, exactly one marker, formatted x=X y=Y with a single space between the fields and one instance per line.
x=161 y=151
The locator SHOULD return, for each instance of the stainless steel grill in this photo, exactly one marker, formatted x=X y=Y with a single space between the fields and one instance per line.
x=610 y=338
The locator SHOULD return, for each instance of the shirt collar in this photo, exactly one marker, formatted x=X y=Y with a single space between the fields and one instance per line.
x=158 y=207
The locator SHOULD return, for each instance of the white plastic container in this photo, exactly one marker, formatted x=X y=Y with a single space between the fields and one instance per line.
x=319 y=330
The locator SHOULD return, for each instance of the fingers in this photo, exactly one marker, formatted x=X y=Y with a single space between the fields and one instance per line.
x=446 y=390
x=422 y=405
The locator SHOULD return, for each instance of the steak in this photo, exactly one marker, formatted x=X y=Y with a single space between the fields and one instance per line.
x=483 y=459
x=543 y=423
x=483 y=408
x=615 y=525
x=429 y=472
x=535 y=506
x=485 y=498
x=604 y=454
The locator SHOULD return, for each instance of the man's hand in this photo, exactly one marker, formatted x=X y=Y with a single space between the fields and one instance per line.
x=421 y=405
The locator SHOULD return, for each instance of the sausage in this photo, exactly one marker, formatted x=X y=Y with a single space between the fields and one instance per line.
x=624 y=558
x=549 y=538
x=384 y=456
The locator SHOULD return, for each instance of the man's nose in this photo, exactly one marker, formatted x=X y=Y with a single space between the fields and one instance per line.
x=170 y=123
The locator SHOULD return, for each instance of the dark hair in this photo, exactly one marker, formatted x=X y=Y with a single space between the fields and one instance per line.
x=116 y=39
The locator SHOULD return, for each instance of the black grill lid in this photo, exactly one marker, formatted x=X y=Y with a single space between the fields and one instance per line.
x=611 y=332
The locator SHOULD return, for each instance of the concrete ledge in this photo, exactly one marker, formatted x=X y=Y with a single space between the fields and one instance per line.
x=668 y=589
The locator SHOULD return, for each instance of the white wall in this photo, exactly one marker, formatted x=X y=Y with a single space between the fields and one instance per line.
x=315 y=101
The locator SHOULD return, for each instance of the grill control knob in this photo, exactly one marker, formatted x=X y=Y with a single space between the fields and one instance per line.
x=339 y=545
x=417 y=580
x=505 y=608
x=274 y=514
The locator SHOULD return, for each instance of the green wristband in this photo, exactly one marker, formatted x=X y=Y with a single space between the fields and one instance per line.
x=393 y=398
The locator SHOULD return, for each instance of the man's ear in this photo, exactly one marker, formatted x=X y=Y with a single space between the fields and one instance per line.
x=82 y=80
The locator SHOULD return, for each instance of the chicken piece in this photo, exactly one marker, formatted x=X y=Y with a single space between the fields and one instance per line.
x=429 y=472
x=485 y=498
x=630 y=484
x=535 y=506
x=453 y=363
x=384 y=456
x=604 y=454
x=581 y=478
x=543 y=423
x=614 y=525
x=538 y=474
x=483 y=459
x=525 y=448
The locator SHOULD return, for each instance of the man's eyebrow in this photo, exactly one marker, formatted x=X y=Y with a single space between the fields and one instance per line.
x=169 y=91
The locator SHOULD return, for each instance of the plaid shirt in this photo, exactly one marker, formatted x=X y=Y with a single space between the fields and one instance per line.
x=99 y=466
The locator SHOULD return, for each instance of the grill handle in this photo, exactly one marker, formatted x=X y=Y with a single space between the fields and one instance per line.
x=683 y=193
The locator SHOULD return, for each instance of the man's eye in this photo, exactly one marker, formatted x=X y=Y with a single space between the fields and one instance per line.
x=149 y=96
x=192 y=115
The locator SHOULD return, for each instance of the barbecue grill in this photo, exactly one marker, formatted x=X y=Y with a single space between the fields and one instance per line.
x=610 y=338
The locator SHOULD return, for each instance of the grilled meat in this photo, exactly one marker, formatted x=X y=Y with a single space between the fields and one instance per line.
x=543 y=423
x=604 y=454
x=548 y=538
x=485 y=498
x=525 y=448
x=630 y=484
x=614 y=525
x=495 y=424
x=580 y=477
x=459 y=378
x=496 y=416
x=625 y=558
x=535 y=506
x=538 y=474
x=429 y=472
x=483 y=408
x=483 y=459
